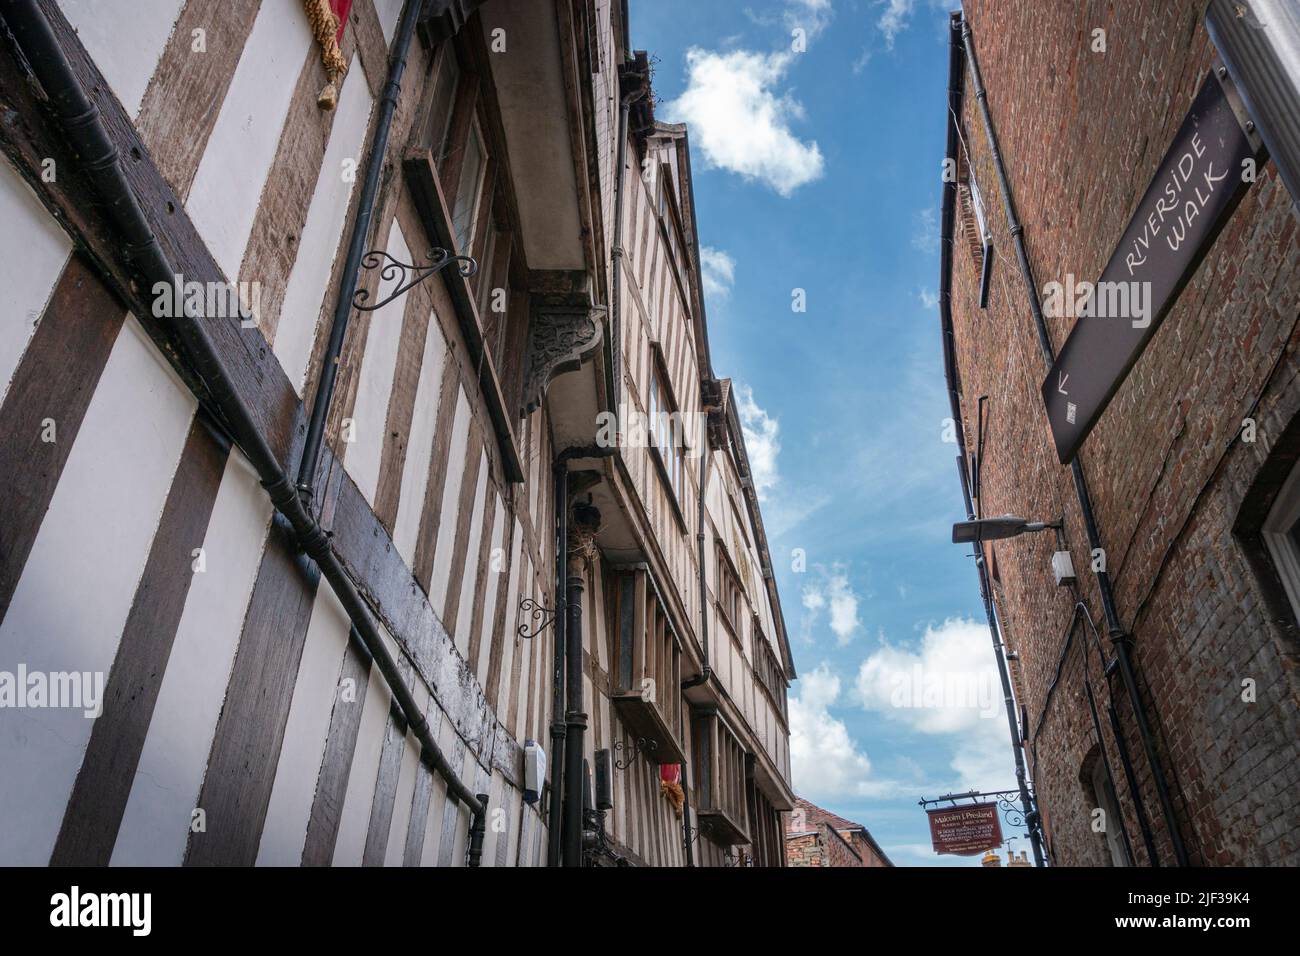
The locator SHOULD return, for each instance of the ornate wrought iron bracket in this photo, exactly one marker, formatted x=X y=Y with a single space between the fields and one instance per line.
x=539 y=612
x=691 y=835
x=407 y=275
x=642 y=746
x=1008 y=803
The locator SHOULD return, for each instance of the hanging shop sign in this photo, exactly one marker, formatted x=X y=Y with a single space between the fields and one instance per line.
x=965 y=830
x=1208 y=167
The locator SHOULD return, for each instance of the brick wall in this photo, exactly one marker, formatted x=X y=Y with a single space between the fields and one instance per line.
x=803 y=850
x=822 y=847
x=1081 y=133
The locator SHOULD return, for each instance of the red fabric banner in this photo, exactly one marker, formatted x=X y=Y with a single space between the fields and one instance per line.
x=341 y=9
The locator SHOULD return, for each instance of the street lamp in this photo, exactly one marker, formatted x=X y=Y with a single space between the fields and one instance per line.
x=993 y=529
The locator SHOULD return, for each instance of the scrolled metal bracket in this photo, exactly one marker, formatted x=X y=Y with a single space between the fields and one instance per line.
x=691 y=835
x=642 y=746
x=538 y=612
x=407 y=275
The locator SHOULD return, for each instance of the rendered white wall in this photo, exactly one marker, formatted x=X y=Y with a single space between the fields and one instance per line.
x=76 y=589
x=34 y=250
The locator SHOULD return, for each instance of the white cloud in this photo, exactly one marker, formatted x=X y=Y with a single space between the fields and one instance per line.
x=717 y=271
x=742 y=121
x=762 y=440
x=812 y=15
x=894 y=20
x=947 y=686
x=831 y=589
x=824 y=760
x=925 y=230
x=928 y=298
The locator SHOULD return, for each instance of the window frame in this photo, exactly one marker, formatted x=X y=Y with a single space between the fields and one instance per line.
x=474 y=133
x=1102 y=800
x=972 y=197
x=1279 y=533
x=437 y=145
x=661 y=400
x=729 y=590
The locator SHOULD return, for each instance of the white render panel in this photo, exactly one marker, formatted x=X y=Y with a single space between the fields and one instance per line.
x=469 y=581
x=370 y=413
x=526 y=665
x=496 y=570
x=511 y=636
x=96 y=535
x=228 y=185
x=419 y=445
x=126 y=45
x=306 y=733
x=351 y=843
x=34 y=250
x=165 y=791
x=318 y=246
x=450 y=499
x=401 y=817
x=389 y=11
x=445 y=734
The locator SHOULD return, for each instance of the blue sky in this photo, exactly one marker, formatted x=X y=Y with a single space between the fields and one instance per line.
x=819 y=171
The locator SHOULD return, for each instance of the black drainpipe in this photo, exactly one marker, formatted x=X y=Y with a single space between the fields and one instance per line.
x=558 y=728
x=706 y=671
x=564 y=841
x=79 y=120
x=356 y=249
x=1120 y=639
x=575 y=718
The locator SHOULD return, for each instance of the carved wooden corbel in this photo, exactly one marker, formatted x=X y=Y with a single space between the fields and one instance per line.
x=563 y=332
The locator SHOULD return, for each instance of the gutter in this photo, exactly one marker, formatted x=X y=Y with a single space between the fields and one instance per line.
x=956 y=90
x=79 y=120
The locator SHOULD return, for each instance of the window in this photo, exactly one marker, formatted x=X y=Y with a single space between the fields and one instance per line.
x=667 y=435
x=464 y=215
x=669 y=219
x=1103 y=797
x=442 y=102
x=1281 y=534
x=767 y=669
x=973 y=219
x=647 y=663
x=730 y=601
x=718 y=771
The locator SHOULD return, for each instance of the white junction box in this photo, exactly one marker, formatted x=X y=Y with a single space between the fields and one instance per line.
x=534 y=771
x=1063 y=568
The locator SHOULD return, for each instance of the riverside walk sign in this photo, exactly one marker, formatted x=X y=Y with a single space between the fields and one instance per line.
x=1202 y=176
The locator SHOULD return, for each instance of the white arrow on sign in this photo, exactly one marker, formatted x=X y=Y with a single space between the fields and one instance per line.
x=1061 y=379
